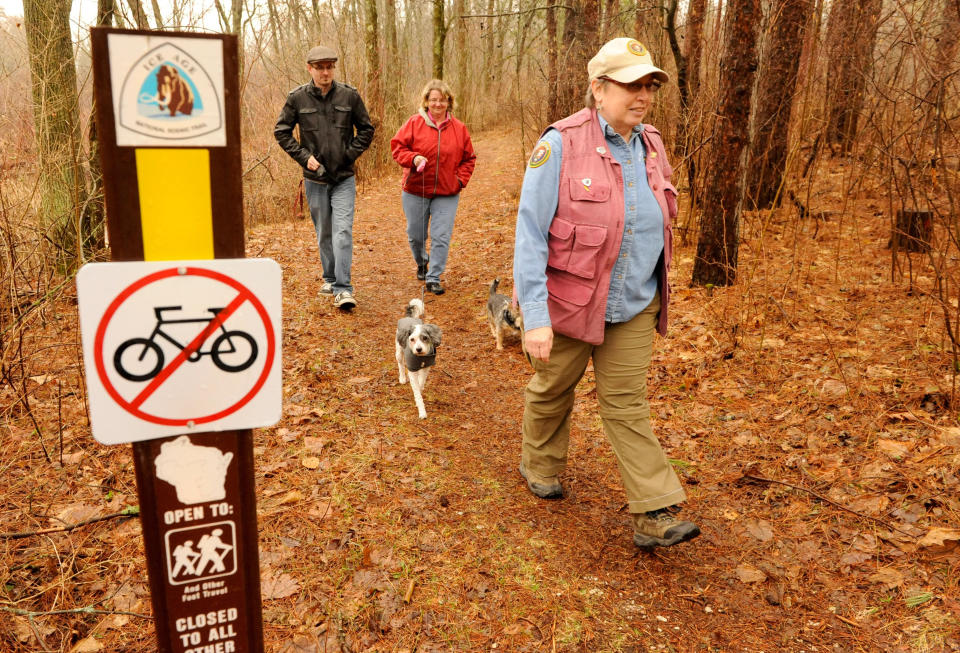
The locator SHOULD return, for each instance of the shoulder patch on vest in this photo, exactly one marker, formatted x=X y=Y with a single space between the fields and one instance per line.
x=540 y=154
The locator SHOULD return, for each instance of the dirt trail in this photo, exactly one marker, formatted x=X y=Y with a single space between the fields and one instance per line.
x=383 y=532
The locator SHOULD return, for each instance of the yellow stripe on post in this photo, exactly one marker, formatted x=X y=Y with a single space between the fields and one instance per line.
x=176 y=214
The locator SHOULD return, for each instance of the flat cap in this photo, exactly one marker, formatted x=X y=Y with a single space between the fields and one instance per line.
x=321 y=53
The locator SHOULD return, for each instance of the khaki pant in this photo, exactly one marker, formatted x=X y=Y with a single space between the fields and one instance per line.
x=620 y=365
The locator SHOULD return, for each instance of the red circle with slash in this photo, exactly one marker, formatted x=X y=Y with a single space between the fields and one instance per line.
x=133 y=406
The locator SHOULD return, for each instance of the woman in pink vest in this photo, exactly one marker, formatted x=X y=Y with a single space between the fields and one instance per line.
x=591 y=260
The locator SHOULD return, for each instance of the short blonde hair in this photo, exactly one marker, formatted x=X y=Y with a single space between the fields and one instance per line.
x=436 y=85
x=589 y=101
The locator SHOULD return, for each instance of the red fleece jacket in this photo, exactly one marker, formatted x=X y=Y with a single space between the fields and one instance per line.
x=449 y=152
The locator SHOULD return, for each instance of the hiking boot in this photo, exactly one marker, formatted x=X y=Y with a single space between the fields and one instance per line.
x=435 y=287
x=661 y=528
x=422 y=272
x=326 y=288
x=545 y=487
x=345 y=301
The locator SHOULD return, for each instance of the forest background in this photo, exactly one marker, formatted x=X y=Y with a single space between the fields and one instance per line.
x=815 y=147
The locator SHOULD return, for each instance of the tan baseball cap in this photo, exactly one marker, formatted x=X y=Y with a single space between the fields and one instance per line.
x=624 y=60
x=321 y=53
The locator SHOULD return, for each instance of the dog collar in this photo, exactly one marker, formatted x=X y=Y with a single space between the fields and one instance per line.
x=413 y=362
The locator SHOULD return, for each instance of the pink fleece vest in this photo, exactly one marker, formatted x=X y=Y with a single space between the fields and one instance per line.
x=586 y=232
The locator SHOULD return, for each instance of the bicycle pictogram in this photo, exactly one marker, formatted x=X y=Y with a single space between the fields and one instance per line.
x=231 y=351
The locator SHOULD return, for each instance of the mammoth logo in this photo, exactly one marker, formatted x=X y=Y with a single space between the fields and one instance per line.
x=167 y=91
x=173 y=92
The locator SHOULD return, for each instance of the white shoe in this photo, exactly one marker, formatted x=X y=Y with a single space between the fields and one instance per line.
x=345 y=301
x=326 y=288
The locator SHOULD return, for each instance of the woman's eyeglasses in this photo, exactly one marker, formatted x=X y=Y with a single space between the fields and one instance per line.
x=635 y=87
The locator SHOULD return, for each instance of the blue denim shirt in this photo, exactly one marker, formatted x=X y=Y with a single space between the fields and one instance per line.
x=633 y=282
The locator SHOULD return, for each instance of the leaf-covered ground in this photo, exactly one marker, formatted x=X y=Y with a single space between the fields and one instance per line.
x=806 y=409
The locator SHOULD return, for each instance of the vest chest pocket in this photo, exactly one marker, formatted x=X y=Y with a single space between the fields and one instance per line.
x=588 y=190
x=575 y=248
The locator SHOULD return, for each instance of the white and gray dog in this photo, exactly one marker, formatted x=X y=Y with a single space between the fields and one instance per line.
x=416 y=350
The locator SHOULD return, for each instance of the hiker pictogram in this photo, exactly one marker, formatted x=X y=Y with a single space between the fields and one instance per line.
x=141 y=359
x=201 y=552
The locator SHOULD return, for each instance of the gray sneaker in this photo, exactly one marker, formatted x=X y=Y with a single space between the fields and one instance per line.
x=345 y=301
x=661 y=528
x=326 y=288
x=545 y=487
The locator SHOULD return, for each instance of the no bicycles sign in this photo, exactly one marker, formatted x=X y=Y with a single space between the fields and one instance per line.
x=180 y=347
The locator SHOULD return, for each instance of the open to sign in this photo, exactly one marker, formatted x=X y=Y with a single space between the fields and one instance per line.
x=172 y=346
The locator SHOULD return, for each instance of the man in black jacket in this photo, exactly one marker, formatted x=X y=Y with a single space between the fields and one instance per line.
x=334 y=130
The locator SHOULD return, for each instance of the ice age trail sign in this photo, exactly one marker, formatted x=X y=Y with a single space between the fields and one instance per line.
x=181 y=335
x=180 y=348
x=167 y=90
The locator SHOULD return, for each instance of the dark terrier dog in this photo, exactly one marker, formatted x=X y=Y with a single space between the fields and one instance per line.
x=502 y=316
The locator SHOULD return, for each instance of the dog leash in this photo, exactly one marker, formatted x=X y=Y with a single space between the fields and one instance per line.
x=298 y=202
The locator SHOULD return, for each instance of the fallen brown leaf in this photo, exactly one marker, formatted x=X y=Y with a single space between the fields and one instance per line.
x=750 y=574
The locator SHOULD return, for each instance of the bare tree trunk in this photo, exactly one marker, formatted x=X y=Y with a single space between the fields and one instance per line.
x=553 y=109
x=694 y=43
x=95 y=214
x=372 y=42
x=460 y=46
x=56 y=122
x=570 y=81
x=776 y=88
x=946 y=52
x=488 y=33
x=610 y=11
x=851 y=33
x=139 y=15
x=439 y=38
x=157 y=15
x=274 y=21
x=591 y=31
x=719 y=240
x=694 y=49
x=391 y=66
x=670 y=25
x=580 y=39
x=236 y=22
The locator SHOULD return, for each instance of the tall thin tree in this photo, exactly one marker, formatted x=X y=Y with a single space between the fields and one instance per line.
x=56 y=121
x=719 y=240
x=693 y=47
x=371 y=39
x=553 y=108
x=139 y=15
x=776 y=87
x=851 y=33
x=95 y=213
x=439 y=37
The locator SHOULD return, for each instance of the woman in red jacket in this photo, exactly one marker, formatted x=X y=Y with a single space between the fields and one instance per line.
x=437 y=158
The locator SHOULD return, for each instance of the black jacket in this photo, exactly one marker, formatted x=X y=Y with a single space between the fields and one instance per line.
x=335 y=129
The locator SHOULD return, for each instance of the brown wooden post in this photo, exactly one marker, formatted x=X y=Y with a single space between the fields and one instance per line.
x=217 y=606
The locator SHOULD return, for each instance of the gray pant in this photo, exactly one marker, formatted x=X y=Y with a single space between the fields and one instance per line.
x=437 y=213
x=331 y=209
